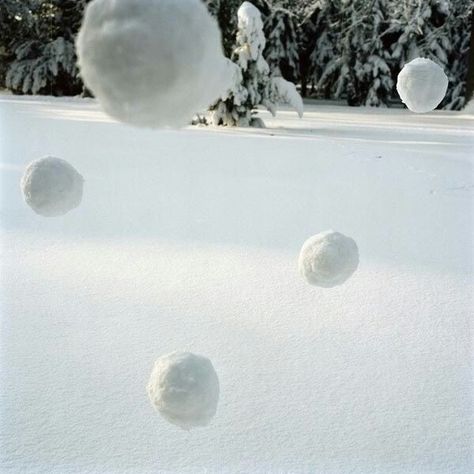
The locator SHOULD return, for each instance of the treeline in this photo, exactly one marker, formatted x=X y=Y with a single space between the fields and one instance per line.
x=334 y=49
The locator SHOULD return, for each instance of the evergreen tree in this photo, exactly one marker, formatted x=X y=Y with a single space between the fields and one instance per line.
x=355 y=63
x=225 y=12
x=423 y=29
x=320 y=32
x=253 y=84
x=460 y=37
x=45 y=59
x=16 y=21
x=282 y=48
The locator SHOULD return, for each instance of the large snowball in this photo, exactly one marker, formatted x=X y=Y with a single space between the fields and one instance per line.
x=151 y=63
x=51 y=186
x=184 y=388
x=422 y=85
x=328 y=259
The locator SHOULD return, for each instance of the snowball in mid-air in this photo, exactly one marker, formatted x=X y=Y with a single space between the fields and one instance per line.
x=152 y=63
x=422 y=85
x=51 y=186
x=184 y=389
x=328 y=259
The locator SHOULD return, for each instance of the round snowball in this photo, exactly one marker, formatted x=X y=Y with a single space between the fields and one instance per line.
x=184 y=389
x=328 y=259
x=422 y=85
x=152 y=63
x=51 y=186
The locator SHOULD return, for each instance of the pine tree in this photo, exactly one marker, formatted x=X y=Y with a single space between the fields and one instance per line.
x=460 y=37
x=373 y=61
x=282 y=49
x=16 y=21
x=225 y=12
x=253 y=84
x=45 y=59
x=320 y=32
x=350 y=57
x=423 y=31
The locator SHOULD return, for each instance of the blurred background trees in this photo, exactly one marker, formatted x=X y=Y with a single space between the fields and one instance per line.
x=349 y=50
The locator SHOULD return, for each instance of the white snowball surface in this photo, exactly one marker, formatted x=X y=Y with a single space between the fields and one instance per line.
x=328 y=259
x=51 y=186
x=151 y=63
x=184 y=389
x=422 y=85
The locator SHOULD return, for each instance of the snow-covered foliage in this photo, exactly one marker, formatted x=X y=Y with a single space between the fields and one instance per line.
x=422 y=85
x=438 y=30
x=282 y=48
x=253 y=85
x=349 y=57
x=184 y=389
x=354 y=49
x=37 y=67
x=284 y=92
x=230 y=109
x=51 y=186
x=422 y=26
x=333 y=48
x=328 y=259
x=460 y=35
x=44 y=59
x=152 y=63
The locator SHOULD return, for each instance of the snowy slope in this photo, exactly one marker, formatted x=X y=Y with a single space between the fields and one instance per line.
x=189 y=240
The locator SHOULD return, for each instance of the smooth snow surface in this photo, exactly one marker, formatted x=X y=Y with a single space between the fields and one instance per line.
x=422 y=85
x=138 y=56
x=189 y=239
x=51 y=186
x=328 y=259
x=184 y=388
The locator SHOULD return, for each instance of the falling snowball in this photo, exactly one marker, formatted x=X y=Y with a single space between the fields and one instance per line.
x=152 y=63
x=422 y=85
x=51 y=186
x=184 y=389
x=328 y=259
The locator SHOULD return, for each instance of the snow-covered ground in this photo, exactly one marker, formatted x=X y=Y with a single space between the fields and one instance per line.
x=188 y=240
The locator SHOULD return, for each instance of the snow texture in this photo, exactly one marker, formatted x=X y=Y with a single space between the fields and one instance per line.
x=190 y=239
x=422 y=85
x=284 y=92
x=51 y=186
x=152 y=63
x=328 y=259
x=184 y=389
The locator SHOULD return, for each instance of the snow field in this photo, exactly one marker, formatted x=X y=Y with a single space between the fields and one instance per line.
x=190 y=240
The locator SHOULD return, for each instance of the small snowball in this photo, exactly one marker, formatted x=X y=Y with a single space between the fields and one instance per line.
x=422 y=85
x=184 y=389
x=51 y=186
x=328 y=259
x=152 y=63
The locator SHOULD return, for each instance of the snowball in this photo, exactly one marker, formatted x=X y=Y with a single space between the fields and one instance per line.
x=422 y=85
x=184 y=389
x=151 y=63
x=51 y=186
x=328 y=259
